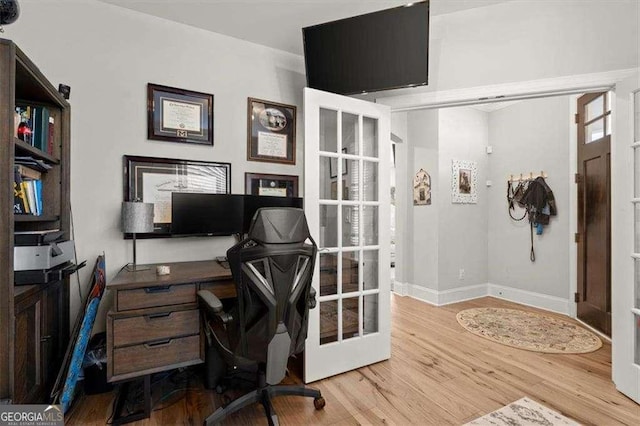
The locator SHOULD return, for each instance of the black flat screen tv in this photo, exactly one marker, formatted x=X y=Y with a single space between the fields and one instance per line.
x=206 y=214
x=383 y=50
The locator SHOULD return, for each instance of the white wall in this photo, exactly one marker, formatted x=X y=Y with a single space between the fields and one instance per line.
x=399 y=128
x=530 y=136
x=524 y=40
x=422 y=236
x=108 y=55
x=462 y=228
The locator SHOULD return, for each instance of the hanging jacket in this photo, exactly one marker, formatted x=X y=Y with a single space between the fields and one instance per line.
x=538 y=196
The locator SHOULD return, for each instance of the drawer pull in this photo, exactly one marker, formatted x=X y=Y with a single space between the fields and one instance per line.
x=158 y=289
x=158 y=344
x=157 y=316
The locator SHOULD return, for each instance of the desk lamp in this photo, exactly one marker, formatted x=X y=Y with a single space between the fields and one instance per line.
x=137 y=217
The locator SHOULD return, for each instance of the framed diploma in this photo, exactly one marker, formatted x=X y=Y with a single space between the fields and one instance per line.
x=271 y=185
x=271 y=132
x=152 y=180
x=178 y=115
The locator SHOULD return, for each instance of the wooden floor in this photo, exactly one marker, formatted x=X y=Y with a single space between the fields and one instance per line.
x=438 y=374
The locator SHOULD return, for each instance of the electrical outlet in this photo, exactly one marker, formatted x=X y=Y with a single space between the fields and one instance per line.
x=461 y=274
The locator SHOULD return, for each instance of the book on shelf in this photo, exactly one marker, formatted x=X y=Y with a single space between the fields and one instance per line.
x=19 y=198
x=28 y=172
x=34 y=163
x=40 y=129
x=51 y=124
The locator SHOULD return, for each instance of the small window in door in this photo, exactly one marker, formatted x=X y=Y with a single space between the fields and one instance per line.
x=597 y=119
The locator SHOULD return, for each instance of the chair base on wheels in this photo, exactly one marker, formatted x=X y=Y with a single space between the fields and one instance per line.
x=264 y=395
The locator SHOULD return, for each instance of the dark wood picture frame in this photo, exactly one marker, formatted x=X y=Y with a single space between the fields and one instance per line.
x=168 y=175
x=171 y=115
x=271 y=131
x=271 y=185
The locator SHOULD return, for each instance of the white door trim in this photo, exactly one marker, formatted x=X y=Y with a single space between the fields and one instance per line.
x=581 y=83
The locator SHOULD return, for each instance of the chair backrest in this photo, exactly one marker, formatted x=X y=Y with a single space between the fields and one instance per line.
x=272 y=269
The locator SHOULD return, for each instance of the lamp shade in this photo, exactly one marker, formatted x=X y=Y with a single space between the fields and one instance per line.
x=137 y=217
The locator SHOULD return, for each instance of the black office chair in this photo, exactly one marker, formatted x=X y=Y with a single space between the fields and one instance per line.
x=272 y=269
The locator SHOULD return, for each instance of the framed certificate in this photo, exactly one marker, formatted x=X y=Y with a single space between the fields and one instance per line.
x=271 y=185
x=178 y=115
x=152 y=180
x=271 y=132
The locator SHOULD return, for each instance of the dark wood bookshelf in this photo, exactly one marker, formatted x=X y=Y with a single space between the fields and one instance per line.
x=34 y=218
x=34 y=319
x=25 y=149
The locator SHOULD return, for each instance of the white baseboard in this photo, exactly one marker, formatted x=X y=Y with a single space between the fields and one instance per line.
x=446 y=297
x=529 y=298
x=401 y=289
x=461 y=294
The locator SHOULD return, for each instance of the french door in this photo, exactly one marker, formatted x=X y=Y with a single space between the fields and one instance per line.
x=347 y=203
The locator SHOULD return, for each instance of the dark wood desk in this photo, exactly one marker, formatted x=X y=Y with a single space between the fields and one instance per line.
x=154 y=324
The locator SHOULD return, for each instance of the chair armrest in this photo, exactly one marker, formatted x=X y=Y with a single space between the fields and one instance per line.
x=312 y=298
x=211 y=302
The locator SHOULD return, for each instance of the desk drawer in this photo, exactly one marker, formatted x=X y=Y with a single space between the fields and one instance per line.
x=149 y=297
x=156 y=326
x=156 y=355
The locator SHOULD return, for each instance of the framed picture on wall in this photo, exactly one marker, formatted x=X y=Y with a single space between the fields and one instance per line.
x=464 y=182
x=271 y=185
x=178 y=115
x=153 y=180
x=271 y=132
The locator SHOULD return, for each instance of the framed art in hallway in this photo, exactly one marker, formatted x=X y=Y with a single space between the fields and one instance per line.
x=178 y=115
x=271 y=132
x=464 y=182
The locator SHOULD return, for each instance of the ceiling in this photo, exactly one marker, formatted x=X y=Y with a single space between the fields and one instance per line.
x=275 y=23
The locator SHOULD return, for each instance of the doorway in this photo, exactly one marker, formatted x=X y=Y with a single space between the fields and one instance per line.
x=594 y=210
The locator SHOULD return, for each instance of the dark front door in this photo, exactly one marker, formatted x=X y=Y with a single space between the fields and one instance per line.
x=594 y=210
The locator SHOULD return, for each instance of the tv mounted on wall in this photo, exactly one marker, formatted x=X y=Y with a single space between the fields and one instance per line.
x=382 y=50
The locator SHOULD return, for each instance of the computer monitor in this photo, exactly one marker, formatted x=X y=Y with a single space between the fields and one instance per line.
x=253 y=202
x=206 y=214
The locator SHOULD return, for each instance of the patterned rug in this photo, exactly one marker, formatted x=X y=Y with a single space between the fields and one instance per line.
x=528 y=330
x=523 y=412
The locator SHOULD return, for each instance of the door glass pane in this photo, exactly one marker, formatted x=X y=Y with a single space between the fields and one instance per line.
x=350 y=269
x=350 y=226
x=370 y=269
x=594 y=131
x=350 y=317
x=326 y=192
x=608 y=125
x=370 y=225
x=637 y=282
x=595 y=108
x=636 y=108
x=328 y=130
x=636 y=173
x=636 y=240
x=370 y=137
x=328 y=274
x=328 y=226
x=353 y=179
x=370 y=181
x=370 y=310
x=350 y=133
x=328 y=322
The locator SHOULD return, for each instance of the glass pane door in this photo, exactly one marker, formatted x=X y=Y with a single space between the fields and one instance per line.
x=343 y=147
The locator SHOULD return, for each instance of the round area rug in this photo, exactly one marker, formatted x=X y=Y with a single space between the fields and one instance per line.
x=528 y=330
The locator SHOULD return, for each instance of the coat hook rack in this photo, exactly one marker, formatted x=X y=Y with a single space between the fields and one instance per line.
x=523 y=177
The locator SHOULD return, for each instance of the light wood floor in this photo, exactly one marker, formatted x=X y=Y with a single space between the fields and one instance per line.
x=438 y=374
